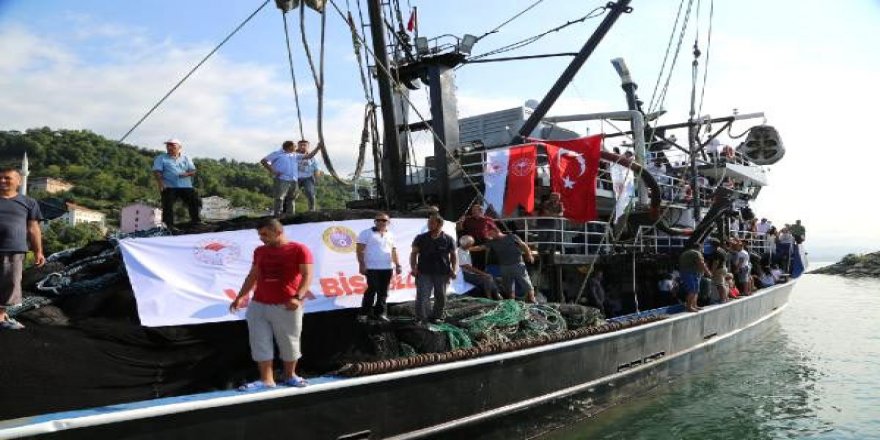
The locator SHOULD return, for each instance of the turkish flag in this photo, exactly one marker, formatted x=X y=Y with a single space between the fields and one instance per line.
x=413 y=22
x=521 y=178
x=574 y=166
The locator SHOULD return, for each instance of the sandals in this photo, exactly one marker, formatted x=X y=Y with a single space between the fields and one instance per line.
x=296 y=382
x=256 y=386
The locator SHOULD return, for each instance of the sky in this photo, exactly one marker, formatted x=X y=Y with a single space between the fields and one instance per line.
x=811 y=68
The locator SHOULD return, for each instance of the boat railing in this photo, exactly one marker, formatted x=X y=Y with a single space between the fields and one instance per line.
x=648 y=238
x=562 y=236
x=755 y=241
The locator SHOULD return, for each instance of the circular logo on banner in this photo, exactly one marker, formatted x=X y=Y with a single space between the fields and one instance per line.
x=216 y=252
x=492 y=168
x=339 y=239
x=521 y=167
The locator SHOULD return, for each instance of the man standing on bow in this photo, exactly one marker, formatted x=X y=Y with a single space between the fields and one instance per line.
x=283 y=165
x=279 y=277
x=19 y=226
x=433 y=264
x=174 y=173
x=377 y=260
x=308 y=173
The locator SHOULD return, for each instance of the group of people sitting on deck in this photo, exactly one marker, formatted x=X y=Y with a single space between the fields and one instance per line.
x=718 y=273
x=479 y=237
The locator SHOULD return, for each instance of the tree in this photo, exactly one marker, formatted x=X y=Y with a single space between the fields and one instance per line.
x=58 y=236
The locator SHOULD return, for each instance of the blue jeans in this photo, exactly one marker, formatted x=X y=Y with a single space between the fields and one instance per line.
x=426 y=284
x=283 y=192
x=308 y=188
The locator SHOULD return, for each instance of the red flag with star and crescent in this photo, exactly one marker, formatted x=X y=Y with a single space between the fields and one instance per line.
x=574 y=166
x=521 y=171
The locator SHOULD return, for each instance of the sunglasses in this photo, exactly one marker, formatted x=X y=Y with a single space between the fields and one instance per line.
x=382 y=220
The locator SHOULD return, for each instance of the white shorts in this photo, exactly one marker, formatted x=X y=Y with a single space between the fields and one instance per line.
x=266 y=321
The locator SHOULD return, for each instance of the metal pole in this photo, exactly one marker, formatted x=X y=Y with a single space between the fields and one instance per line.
x=616 y=9
x=392 y=178
x=693 y=144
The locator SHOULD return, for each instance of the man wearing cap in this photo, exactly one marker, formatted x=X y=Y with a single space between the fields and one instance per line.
x=283 y=165
x=19 y=227
x=174 y=173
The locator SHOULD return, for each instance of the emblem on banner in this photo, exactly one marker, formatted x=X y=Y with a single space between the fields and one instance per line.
x=522 y=167
x=216 y=252
x=339 y=239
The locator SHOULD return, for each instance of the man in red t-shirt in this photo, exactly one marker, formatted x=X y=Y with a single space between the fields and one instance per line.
x=281 y=273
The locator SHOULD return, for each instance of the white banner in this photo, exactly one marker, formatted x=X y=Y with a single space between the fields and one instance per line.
x=191 y=279
x=623 y=187
x=495 y=179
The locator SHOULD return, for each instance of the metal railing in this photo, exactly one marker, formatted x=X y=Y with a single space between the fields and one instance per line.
x=649 y=238
x=559 y=235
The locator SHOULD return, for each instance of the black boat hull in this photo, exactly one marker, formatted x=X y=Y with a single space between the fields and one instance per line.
x=605 y=369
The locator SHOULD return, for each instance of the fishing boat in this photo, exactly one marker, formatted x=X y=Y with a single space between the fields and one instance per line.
x=641 y=223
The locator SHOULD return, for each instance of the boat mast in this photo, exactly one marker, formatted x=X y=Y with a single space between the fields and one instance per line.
x=616 y=9
x=392 y=179
x=693 y=142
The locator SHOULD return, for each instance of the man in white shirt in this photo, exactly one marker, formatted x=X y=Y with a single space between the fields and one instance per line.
x=377 y=260
x=470 y=273
x=283 y=164
x=763 y=226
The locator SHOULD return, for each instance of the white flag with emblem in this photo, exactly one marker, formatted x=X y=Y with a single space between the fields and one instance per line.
x=495 y=178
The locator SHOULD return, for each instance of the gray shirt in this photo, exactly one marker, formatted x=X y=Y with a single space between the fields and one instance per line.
x=14 y=215
x=507 y=249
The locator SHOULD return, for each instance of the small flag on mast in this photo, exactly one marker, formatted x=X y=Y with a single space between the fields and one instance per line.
x=413 y=22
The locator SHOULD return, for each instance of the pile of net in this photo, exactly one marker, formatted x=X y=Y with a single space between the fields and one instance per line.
x=474 y=322
x=473 y=327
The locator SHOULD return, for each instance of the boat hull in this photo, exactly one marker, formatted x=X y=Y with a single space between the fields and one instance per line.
x=605 y=369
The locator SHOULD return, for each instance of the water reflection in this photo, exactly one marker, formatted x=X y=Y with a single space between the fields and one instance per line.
x=813 y=372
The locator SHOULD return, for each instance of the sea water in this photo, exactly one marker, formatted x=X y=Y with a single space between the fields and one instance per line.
x=811 y=373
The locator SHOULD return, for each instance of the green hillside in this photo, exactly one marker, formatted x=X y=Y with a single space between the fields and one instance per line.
x=109 y=176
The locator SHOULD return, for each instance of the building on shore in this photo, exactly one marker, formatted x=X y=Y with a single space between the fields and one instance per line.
x=80 y=214
x=48 y=185
x=216 y=208
x=139 y=216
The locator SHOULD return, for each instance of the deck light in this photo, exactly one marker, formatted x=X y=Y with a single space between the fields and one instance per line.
x=467 y=44
x=422 y=45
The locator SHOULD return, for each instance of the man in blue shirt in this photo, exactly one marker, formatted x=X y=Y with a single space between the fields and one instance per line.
x=174 y=173
x=283 y=164
x=308 y=173
x=19 y=225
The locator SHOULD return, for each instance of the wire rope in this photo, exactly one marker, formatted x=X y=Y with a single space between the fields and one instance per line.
x=302 y=135
x=527 y=41
x=506 y=22
x=193 y=70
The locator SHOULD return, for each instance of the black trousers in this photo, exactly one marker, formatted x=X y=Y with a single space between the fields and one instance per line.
x=189 y=197
x=373 y=302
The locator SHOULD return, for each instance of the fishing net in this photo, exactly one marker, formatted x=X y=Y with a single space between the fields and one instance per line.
x=577 y=316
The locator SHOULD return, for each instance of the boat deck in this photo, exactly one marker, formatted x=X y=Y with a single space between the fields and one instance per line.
x=659 y=342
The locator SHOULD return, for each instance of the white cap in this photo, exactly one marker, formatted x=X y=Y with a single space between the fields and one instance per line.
x=173 y=141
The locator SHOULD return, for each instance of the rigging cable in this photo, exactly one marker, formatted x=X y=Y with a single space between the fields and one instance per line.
x=708 y=47
x=665 y=55
x=193 y=70
x=318 y=76
x=384 y=70
x=527 y=41
x=302 y=135
x=506 y=22
x=661 y=98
